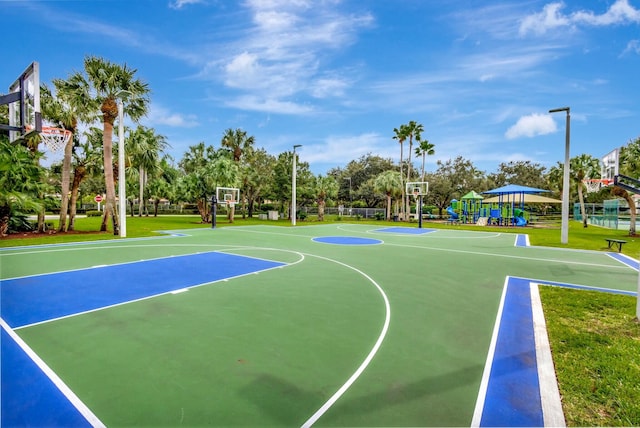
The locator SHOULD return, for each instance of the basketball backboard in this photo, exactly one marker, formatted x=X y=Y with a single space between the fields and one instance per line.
x=227 y=195
x=610 y=163
x=417 y=188
x=24 y=103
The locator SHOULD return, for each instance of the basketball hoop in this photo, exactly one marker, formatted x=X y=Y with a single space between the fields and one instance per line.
x=55 y=138
x=594 y=185
x=231 y=203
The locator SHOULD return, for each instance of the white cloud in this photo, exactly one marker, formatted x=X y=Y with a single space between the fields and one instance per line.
x=159 y=115
x=348 y=147
x=178 y=4
x=283 y=52
x=548 y=19
x=621 y=12
x=551 y=17
x=531 y=126
x=633 y=47
x=269 y=105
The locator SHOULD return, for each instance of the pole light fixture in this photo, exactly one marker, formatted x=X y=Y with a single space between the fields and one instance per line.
x=564 y=233
x=293 y=186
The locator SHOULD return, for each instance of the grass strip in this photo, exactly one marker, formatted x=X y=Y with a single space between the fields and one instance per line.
x=595 y=342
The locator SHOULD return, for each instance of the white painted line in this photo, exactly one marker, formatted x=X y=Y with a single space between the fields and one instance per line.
x=182 y=290
x=549 y=392
x=484 y=383
x=326 y=406
x=71 y=396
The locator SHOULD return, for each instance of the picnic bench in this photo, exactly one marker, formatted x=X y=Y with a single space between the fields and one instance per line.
x=611 y=243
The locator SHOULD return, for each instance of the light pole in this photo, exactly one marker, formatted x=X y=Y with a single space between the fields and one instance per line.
x=121 y=180
x=293 y=186
x=350 y=197
x=564 y=233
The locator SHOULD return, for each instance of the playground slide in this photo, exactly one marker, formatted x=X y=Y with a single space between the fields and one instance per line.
x=520 y=221
x=452 y=213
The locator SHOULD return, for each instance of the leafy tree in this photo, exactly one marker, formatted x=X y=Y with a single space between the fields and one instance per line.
x=452 y=180
x=205 y=169
x=325 y=188
x=20 y=181
x=524 y=173
x=256 y=176
x=390 y=184
x=629 y=165
x=353 y=178
x=99 y=88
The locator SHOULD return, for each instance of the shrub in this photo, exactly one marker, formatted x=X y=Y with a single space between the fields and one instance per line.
x=94 y=213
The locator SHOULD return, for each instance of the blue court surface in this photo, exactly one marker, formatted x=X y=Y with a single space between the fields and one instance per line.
x=39 y=298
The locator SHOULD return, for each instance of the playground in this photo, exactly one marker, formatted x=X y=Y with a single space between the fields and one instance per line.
x=328 y=325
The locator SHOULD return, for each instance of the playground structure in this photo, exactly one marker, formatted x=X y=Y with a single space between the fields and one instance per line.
x=506 y=207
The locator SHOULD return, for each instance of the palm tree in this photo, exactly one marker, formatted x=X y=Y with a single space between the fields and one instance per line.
x=401 y=135
x=143 y=149
x=65 y=115
x=326 y=187
x=425 y=148
x=583 y=167
x=99 y=89
x=414 y=131
x=86 y=160
x=239 y=143
x=389 y=183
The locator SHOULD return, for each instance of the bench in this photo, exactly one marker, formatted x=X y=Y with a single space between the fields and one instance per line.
x=612 y=242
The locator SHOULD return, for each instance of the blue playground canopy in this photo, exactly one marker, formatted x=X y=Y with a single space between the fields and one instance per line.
x=511 y=189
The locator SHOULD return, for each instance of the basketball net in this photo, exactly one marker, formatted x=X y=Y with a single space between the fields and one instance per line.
x=595 y=184
x=55 y=138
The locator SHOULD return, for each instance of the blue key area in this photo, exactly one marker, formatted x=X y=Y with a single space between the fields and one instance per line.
x=29 y=397
x=30 y=300
x=521 y=240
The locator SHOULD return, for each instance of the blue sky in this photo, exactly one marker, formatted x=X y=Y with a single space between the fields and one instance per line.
x=338 y=76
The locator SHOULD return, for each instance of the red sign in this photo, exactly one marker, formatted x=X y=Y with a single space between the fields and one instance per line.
x=98 y=198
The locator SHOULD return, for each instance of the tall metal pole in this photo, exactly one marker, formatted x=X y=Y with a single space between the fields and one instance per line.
x=121 y=180
x=293 y=186
x=564 y=232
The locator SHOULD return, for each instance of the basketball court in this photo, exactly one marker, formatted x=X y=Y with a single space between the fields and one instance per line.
x=327 y=325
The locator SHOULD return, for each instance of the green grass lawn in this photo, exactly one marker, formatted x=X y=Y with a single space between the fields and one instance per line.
x=594 y=337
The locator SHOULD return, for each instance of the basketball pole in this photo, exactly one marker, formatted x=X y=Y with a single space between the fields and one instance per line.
x=420 y=211
x=214 y=209
x=293 y=186
x=121 y=180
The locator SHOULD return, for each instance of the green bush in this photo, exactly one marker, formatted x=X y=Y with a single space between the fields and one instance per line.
x=94 y=213
x=379 y=215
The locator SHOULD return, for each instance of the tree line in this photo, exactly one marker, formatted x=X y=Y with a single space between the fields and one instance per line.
x=88 y=100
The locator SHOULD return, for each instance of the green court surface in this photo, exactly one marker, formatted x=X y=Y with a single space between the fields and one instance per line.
x=400 y=327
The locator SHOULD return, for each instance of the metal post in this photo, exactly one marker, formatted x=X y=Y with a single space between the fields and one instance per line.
x=214 y=211
x=419 y=212
x=564 y=233
x=293 y=186
x=121 y=180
